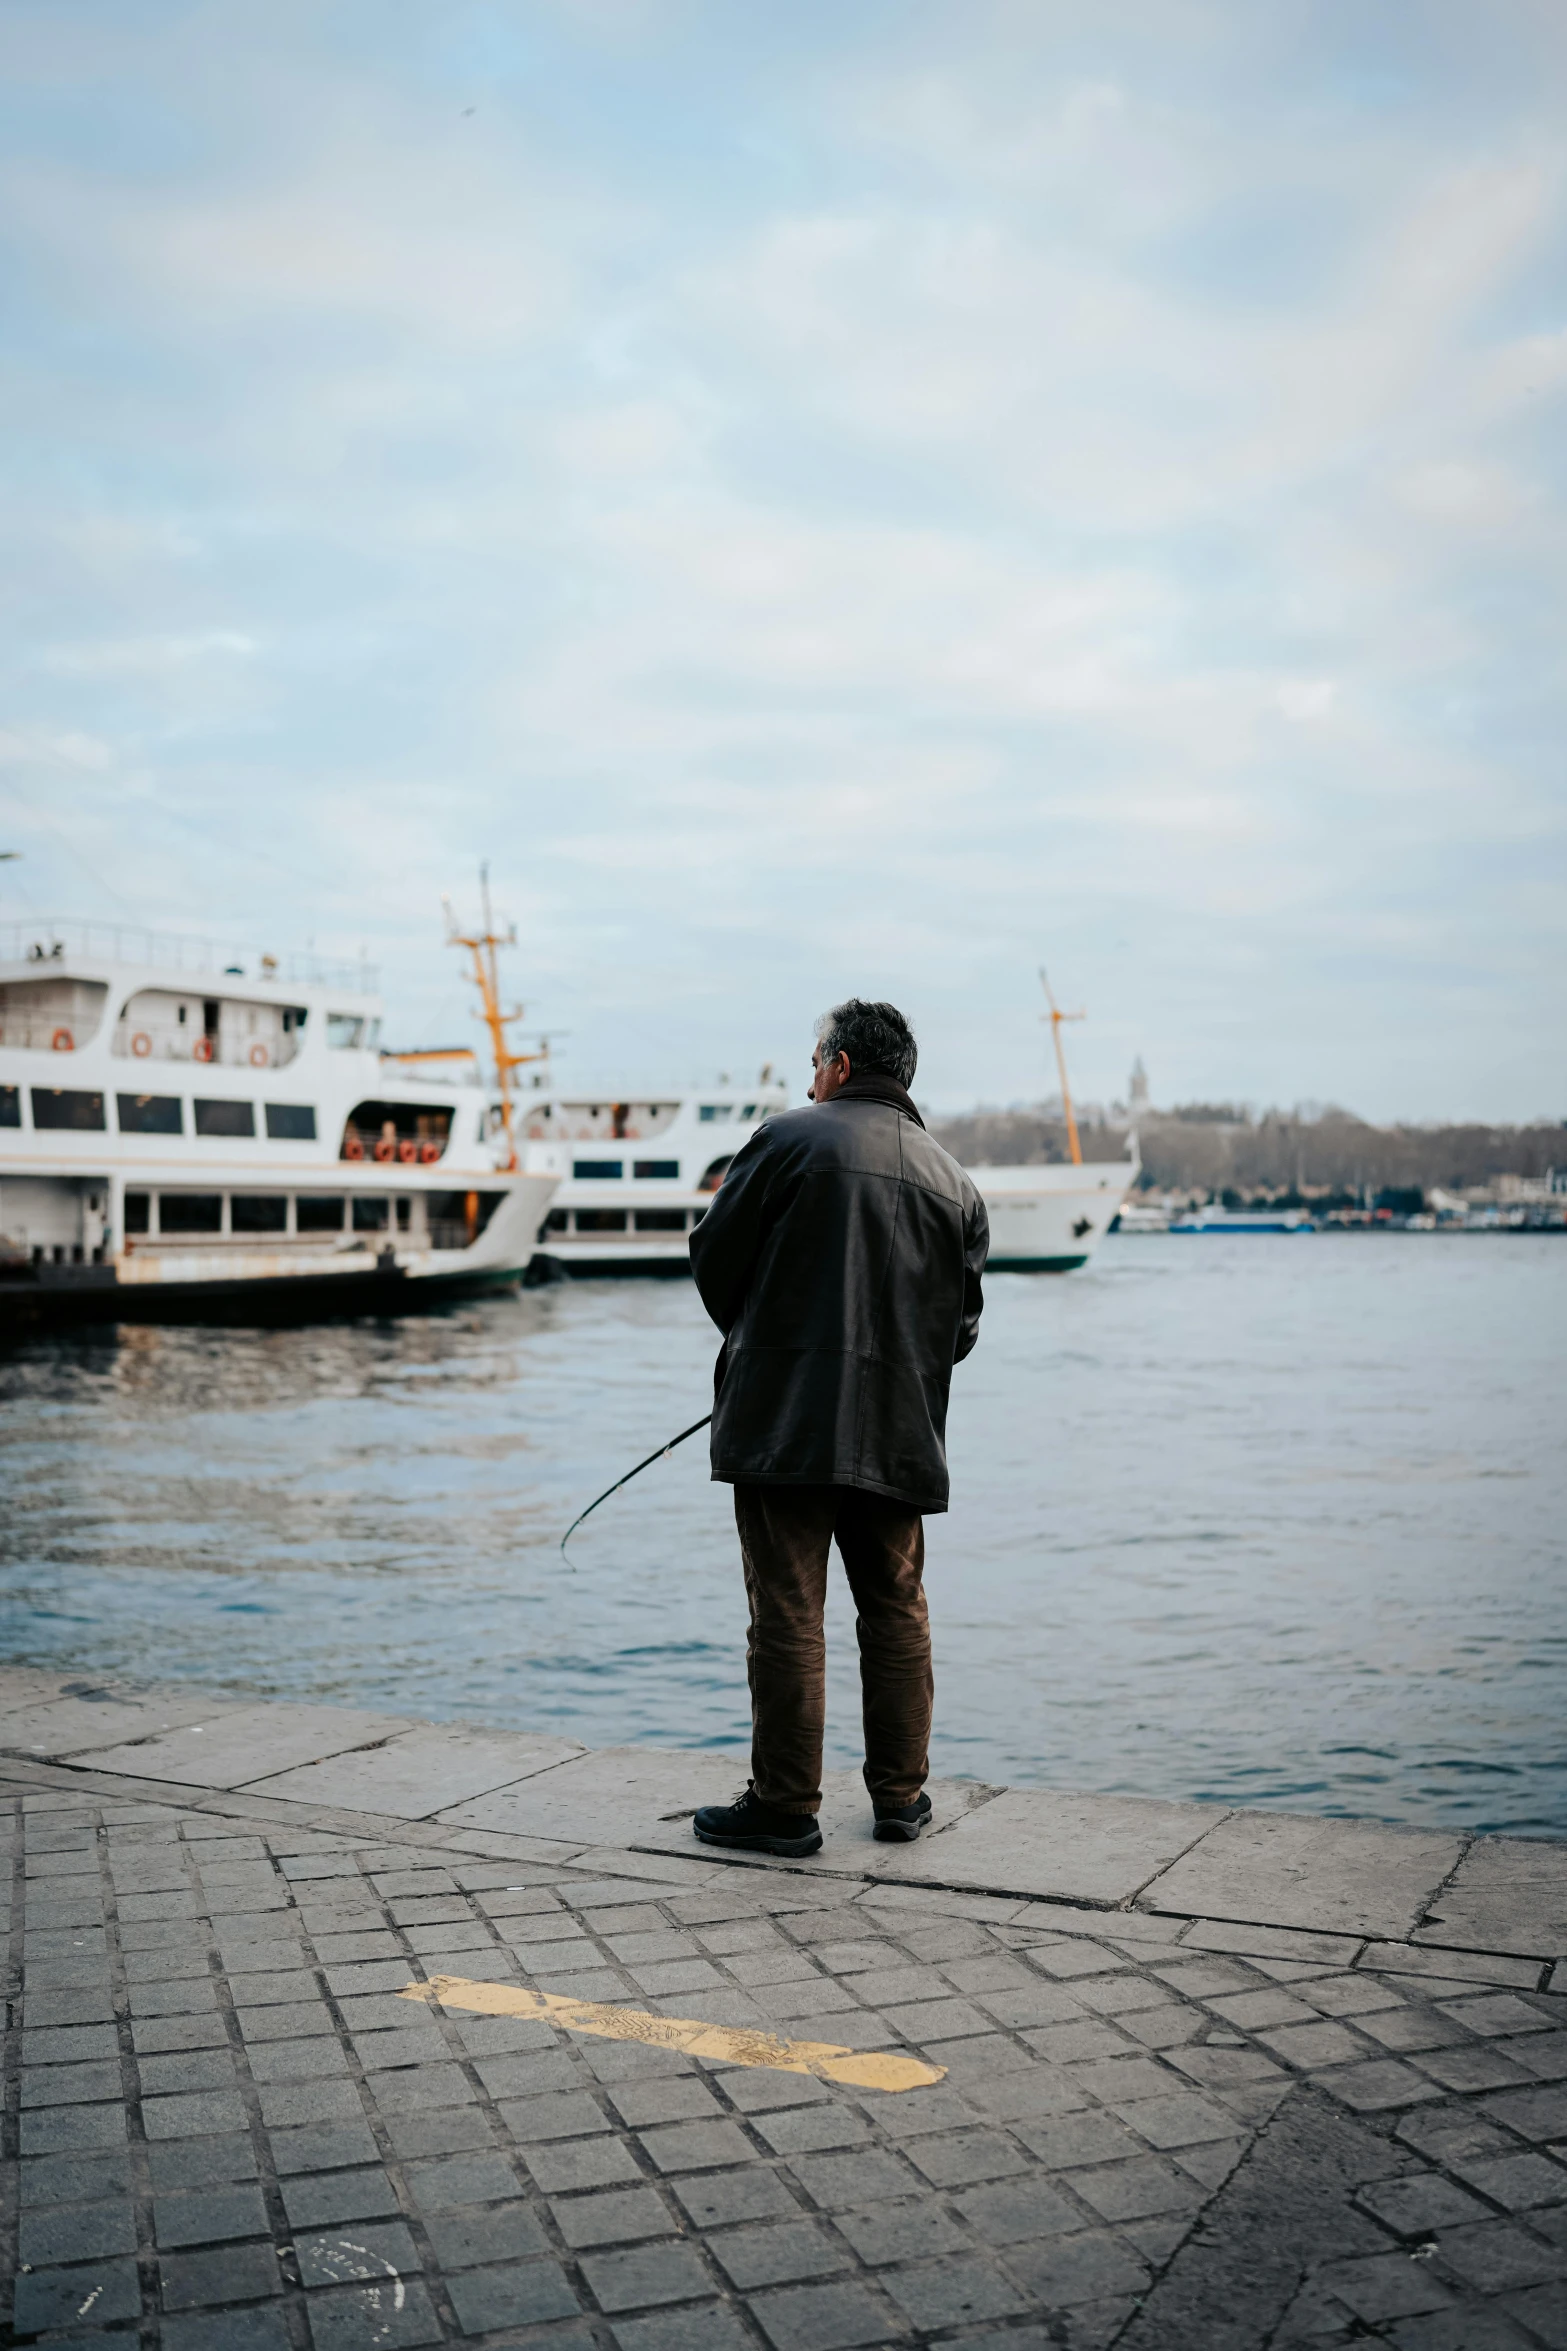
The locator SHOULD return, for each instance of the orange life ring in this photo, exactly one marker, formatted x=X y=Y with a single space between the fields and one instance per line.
x=407 y=1152
x=385 y=1150
x=202 y=1049
x=141 y=1044
x=62 y=1041
x=429 y=1153
x=353 y=1148
x=258 y=1057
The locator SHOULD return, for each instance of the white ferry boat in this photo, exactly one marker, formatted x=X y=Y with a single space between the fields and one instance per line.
x=188 y=1133
x=1051 y=1219
x=636 y=1175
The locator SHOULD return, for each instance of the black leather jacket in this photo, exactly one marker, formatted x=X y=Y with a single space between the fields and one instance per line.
x=841 y=1259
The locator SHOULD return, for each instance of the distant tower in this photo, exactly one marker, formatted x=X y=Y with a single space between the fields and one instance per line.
x=1137 y=1090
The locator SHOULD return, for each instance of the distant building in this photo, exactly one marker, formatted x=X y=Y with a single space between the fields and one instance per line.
x=1137 y=1089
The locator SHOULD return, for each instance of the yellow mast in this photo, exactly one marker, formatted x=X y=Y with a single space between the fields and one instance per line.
x=1055 y=1017
x=481 y=946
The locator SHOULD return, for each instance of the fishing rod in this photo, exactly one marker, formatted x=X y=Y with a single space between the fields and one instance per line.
x=662 y=1454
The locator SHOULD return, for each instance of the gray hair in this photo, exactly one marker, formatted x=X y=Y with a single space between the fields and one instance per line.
x=876 y=1037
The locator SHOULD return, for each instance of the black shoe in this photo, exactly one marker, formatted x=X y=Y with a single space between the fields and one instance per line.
x=901 y=1823
x=758 y=1828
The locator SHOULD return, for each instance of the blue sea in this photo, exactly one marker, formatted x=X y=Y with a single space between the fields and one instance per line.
x=1267 y=1520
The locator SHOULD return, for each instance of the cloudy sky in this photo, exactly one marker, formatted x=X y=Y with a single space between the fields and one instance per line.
x=824 y=497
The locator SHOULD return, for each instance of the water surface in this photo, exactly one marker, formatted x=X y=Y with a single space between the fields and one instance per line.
x=1273 y=1521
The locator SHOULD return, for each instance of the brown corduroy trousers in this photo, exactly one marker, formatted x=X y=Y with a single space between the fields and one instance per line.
x=786 y=1533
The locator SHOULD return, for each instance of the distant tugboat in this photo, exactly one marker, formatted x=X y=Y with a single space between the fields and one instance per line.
x=187 y=1134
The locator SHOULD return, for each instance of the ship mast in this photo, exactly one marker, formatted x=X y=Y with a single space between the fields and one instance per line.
x=1056 y=1016
x=482 y=945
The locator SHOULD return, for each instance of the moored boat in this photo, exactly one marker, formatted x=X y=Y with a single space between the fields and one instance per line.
x=187 y=1133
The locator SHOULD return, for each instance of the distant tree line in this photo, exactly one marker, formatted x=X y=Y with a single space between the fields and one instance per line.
x=1220 y=1149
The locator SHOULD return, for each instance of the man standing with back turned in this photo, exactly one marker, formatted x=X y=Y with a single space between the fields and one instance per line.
x=841 y=1259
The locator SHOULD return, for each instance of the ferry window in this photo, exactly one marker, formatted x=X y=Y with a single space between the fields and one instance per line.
x=138 y=1212
x=291 y=1122
x=59 y=1106
x=294 y=1017
x=10 y=1106
x=190 y=1212
x=661 y=1220
x=601 y=1220
x=715 y=1175
x=598 y=1167
x=697 y=1215
x=258 y=1212
x=150 y=1114
x=225 y=1118
x=405 y=1210
x=708 y=1112
x=371 y=1215
x=319 y=1212
x=556 y=1221
x=749 y=1111
x=344 y=1028
x=658 y=1170
x=457 y=1218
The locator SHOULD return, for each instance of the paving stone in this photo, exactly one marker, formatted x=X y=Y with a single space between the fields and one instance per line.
x=562 y=2115
x=507 y=2297
x=567 y=2164
x=372 y=2318
x=304 y=2060
x=100 y=2293
x=680 y=2098
x=206 y=2218
x=70 y=2085
x=1496 y=2256
x=1377 y=2086
x=68 y=2044
x=1385 y=2285
x=82 y=2232
x=696 y=2146
x=779 y=2255
x=1422 y=2205
x=478 y=2235
x=55 y=2129
x=323 y=2147
x=1014 y=2211
x=186 y=2069
x=954 y=2292
x=1130 y=2191
x=234 y=2273
x=710 y=2328
x=646 y=2275
x=803 y=2130
x=837 y=2182
x=318 y=2200
x=361 y=2251
x=1517 y=2181
x=177 y=2164
x=155 y=2035
x=461 y=2180
x=448 y=2130
x=824 y=2318
x=614 y=2217
x=1064 y=2141
x=715 y=2199
x=1086 y=2267
x=963 y=2157
x=74 y=2179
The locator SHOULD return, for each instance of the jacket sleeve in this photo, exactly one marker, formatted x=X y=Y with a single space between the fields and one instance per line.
x=976 y=1248
x=727 y=1242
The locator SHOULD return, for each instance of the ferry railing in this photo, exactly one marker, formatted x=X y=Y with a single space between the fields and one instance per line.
x=51 y=939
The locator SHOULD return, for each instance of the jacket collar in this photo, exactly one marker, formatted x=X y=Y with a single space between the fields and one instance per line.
x=875 y=1086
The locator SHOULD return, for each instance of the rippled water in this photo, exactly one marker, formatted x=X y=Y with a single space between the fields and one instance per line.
x=1273 y=1521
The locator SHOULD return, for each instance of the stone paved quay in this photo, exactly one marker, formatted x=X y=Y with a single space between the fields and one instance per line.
x=1211 y=2079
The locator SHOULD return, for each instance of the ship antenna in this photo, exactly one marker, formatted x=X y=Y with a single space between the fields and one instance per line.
x=482 y=945
x=1056 y=1016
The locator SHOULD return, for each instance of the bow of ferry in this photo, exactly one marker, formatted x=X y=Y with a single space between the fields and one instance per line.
x=187 y=1134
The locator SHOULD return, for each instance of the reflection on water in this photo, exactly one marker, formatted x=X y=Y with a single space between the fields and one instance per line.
x=1264 y=1521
